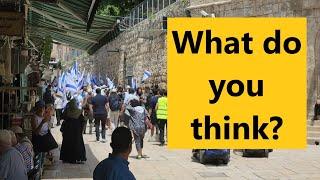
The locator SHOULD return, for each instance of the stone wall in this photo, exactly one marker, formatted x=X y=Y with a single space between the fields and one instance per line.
x=141 y=48
x=275 y=8
x=144 y=47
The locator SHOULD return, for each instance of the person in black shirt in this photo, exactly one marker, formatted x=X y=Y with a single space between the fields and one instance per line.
x=116 y=165
x=100 y=113
x=47 y=96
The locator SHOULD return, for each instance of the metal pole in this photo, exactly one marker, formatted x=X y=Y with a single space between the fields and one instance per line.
x=169 y=2
x=158 y=6
x=142 y=12
x=131 y=18
x=152 y=7
x=138 y=14
x=147 y=9
x=162 y=4
x=134 y=17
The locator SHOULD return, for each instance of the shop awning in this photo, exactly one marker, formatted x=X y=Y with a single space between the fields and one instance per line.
x=71 y=22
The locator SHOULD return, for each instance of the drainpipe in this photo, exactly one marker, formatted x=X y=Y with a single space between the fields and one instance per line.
x=7 y=62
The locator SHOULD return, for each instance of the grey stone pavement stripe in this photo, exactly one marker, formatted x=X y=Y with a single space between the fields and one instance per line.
x=178 y=164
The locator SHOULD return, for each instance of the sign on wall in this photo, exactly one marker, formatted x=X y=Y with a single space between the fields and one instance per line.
x=237 y=83
x=11 y=23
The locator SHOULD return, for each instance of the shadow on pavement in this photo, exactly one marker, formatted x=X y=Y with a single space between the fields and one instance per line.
x=61 y=170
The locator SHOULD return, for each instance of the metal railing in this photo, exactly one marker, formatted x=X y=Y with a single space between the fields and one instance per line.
x=146 y=9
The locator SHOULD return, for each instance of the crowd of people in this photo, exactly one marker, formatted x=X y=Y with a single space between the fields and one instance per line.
x=127 y=113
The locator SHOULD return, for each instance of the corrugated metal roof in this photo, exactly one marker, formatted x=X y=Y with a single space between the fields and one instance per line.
x=67 y=22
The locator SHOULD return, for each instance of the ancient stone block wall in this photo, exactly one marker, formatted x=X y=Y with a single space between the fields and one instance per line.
x=276 y=8
x=142 y=48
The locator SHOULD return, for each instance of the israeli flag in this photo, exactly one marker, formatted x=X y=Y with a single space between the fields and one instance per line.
x=61 y=82
x=74 y=69
x=88 y=79
x=94 y=80
x=71 y=84
x=110 y=83
x=146 y=75
x=134 y=83
x=80 y=81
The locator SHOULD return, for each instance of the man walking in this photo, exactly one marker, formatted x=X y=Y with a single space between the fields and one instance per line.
x=114 y=105
x=100 y=114
x=161 y=109
x=88 y=113
x=58 y=105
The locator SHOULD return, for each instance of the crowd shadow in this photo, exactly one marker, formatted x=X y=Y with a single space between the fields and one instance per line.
x=60 y=170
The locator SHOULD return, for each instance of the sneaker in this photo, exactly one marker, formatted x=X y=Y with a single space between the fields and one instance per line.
x=103 y=140
x=144 y=156
x=139 y=157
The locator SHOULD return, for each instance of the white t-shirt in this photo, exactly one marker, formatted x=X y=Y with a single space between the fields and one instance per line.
x=128 y=97
x=58 y=102
x=45 y=127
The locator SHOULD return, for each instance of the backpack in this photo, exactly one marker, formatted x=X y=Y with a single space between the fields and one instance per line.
x=48 y=98
x=114 y=103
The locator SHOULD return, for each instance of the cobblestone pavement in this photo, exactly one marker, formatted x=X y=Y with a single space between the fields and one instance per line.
x=177 y=164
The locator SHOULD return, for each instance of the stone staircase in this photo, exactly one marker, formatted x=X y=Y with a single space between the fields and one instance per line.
x=313 y=132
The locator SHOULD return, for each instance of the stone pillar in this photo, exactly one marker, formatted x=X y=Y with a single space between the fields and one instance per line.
x=7 y=78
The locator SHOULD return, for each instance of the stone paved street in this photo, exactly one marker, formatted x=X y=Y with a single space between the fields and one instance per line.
x=177 y=164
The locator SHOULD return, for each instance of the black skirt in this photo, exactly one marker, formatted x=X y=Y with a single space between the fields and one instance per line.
x=44 y=143
x=72 y=148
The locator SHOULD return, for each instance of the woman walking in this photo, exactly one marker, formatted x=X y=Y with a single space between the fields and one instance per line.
x=138 y=124
x=72 y=148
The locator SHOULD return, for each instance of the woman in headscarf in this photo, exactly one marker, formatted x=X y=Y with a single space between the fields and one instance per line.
x=72 y=149
x=138 y=124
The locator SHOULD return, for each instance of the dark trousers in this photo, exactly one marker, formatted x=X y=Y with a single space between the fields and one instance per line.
x=58 y=115
x=138 y=139
x=87 y=116
x=162 y=123
x=103 y=120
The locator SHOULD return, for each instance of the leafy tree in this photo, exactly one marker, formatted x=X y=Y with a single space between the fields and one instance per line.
x=45 y=49
x=117 y=7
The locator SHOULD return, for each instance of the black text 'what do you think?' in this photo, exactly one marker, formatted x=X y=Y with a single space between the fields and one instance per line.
x=231 y=45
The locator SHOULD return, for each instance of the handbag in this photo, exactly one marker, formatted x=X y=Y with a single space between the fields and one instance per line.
x=44 y=143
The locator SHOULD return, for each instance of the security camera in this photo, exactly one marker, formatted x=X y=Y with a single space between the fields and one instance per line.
x=204 y=14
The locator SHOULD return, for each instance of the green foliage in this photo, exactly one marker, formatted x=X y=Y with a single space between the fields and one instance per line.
x=185 y=2
x=117 y=7
x=45 y=49
x=109 y=10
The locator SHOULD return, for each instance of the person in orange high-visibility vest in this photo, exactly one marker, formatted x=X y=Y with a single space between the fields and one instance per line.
x=162 y=113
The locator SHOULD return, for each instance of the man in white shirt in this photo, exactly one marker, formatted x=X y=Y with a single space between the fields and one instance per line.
x=58 y=105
